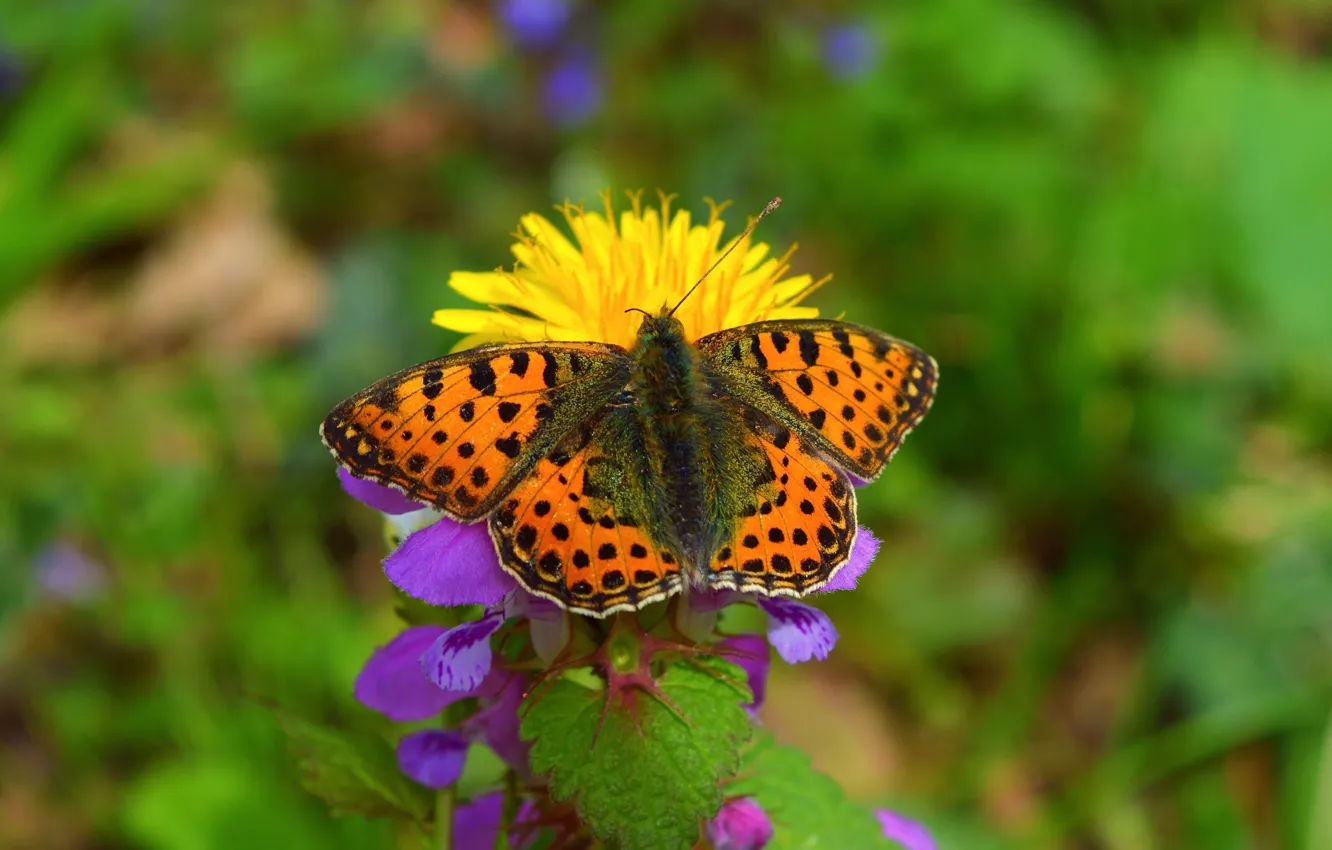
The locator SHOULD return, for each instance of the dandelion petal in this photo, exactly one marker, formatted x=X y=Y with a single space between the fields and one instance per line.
x=797 y=631
x=449 y=563
x=433 y=757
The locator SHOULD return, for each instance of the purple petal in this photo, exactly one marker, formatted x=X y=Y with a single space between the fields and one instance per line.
x=376 y=495
x=862 y=555
x=797 y=631
x=751 y=654
x=534 y=23
x=449 y=563
x=497 y=724
x=906 y=832
x=476 y=823
x=850 y=50
x=392 y=681
x=714 y=600
x=459 y=659
x=433 y=757
x=573 y=90
x=63 y=571
x=740 y=825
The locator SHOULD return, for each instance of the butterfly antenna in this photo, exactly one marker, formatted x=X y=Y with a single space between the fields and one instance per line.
x=772 y=205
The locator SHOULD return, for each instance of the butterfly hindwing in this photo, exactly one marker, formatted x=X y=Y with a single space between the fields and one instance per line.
x=575 y=530
x=460 y=431
x=798 y=526
x=852 y=392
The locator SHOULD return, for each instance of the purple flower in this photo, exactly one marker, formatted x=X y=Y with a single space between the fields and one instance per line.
x=798 y=631
x=433 y=757
x=496 y=724
x=862 y=555
x=740 y=825
x=476 y=824
x=460 y=657
x=12 y=74
x=449 y=563
x=393 y=683
x=906 y=832
x=750 y=652
x=534 y=23
x=850 y=50
x=376 y=495
x=572 y=91
x=63 y=571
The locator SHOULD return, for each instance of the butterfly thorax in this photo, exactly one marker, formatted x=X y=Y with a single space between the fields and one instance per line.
x=680 y=419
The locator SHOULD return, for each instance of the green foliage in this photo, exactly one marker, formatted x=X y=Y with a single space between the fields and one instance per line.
x=642 y=773
x=1107 y=221
x=355 y=773
x=808 y=810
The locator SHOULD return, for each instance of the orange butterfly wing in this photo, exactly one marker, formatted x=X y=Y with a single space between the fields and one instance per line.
x=562 y=536
x=853 y=392
x=800 y=528
x=460 y=431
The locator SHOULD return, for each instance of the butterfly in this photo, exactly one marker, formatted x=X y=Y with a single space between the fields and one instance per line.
x=613 y=478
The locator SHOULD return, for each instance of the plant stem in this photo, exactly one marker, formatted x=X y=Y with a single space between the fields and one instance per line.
x=444 y=799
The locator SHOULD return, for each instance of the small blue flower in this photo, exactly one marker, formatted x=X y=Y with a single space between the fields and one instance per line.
x=433 y=757
x=573 y=91
x=534 y=23
x=460 y=658
x=740 y=825
x=850 y=50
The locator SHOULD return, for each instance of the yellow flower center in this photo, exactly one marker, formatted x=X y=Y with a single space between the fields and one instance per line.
x=580 y=289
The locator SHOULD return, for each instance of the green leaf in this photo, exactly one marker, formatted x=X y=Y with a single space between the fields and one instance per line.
x=353 y=772
x=641 y=774
x=807 y=809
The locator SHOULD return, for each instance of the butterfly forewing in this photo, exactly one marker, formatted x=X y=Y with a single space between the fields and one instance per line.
x=460 y=431
x=853 y=392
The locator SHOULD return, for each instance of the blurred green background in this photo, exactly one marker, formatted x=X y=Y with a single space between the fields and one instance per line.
x=1102 y=615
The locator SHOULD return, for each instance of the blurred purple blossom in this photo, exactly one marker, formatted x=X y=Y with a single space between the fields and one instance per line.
x=433 y=757
x=850 y=50
x=64 y=572
x=798 y=632
x=572 y=91
x=381 y=498
x=910 y=834
x=534 y=23
x=12 y=74
x=740 y=825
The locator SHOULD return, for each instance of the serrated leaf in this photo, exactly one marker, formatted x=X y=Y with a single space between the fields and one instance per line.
x=807 y=808
x=644 y=777
x=355 y=773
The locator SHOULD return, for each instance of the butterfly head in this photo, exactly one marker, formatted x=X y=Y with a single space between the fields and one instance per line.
x=662 y=326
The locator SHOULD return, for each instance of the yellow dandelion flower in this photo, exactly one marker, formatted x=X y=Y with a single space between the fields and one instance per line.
x=579 y=290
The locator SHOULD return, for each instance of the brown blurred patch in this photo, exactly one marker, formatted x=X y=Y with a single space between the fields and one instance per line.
x=224 y=278
x=837 y=718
